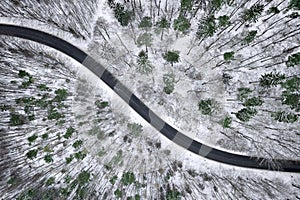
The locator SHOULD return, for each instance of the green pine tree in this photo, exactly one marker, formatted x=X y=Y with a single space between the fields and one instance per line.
x=144 y=66
x=293 y=60
x=206 y=106
x=252 y=14
x=207 y=27
x=292 y=84
x=186 y=5
x=31 y=154
x=254 y=101
x=243 y=93
x=294 y=4
x=123 y=15
x=228 y=55
x=283 y=116
x=162 y=25
x=223 y=21
x=249 y=37
x=271 y=79
x=246 y=114
x=273 y=10
x=226 y=122
x=169 y=81
x=181 y=24
x=17 y=119
x=128 y=178
x=145 y=22
x=291 y=99
x=48 y=158
x=171 y=56
x=144 y=39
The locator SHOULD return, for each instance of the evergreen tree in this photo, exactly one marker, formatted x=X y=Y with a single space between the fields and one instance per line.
x=273 y=10
x=161 y=25
x=69 y=133
x=31 y=154
x=181 y=24
x=123 y=15
x=292 y=84
x=144 y=65
x=186 y=5
x=243 y=93
x=145 y=22
x=226 y=122
x=118 y=193
x=113 y=179
x=171 y=56
x=228 y=55
x=173 y=194
x=13 y=180
x=101 y=104
x=128 y=178
x=111 y=3
x=144 y=39
x=61 y=95
x=206 y=106
x=283 y=116
x=169 y=81
x=254 y=101
x=27 y=79
x=77 y=144
x=271 y=79
x=294 y=4
x=252 y=14
x=135 y=129
x=246 y=114
x=291 y=99
x=223 y=21
x=249 y=37
x=293 y=60
x=29 y=194
x=294 y=15
x=17 y=119
x=83 y=178
x=32 y=138
x=207 y=27
x=48 y=158
x=23 y=73
x=217 y=4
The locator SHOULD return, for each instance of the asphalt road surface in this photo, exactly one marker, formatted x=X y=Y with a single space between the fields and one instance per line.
x=135 y=103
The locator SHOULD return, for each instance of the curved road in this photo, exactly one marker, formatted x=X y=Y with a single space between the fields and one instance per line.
x=140 y=107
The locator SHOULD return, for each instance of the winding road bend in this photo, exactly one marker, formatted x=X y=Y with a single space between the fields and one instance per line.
x=135 y=103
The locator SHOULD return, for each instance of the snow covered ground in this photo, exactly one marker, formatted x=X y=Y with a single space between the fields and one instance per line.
x=116 y=140
x=197 y=78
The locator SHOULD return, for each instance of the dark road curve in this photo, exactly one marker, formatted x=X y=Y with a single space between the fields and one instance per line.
x=141 y=108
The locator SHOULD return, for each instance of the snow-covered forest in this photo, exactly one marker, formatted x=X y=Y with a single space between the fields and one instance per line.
x=223 y=72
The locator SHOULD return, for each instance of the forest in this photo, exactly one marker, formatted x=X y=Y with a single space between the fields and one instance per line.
x=223 y=72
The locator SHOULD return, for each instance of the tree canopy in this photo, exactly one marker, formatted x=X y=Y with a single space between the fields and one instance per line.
x=249 y=37
x=123 y=15
x=294 y=4
x=181 y=24
x=206 y=27
x=171 y=56
x=145 y=22
x=271 y=79
x=252 y=14
x=293 y=60
x=228 y=55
